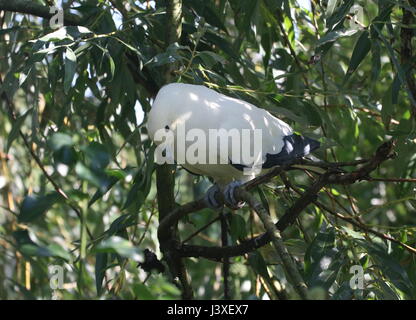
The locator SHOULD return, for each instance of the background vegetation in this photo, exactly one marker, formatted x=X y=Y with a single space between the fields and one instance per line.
x=77 y=187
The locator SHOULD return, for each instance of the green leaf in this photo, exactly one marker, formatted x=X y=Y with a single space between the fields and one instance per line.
x=207 y=10
x=95 y=177
x=322 y=260
x=120 y=224
x=141 y=184
x=387 y=291
x=14 y=133
x=99 y=193
x=120 y=246
x=335 y=35
x=285 y=112
x=97 y=156
x=66 y=155
x=100 y=268
x=361 y=49
x=78 y=31
x=388 y=265
x=51 y=251
x=237 y=227
x=70 y=68
x=58 y=35
x=344 y=292
x=352 y=233
x=256 y=261
x=171 y=55
x=57 y=251
x=65 y=33
x=141 y=292
x=112 y=66
x=311 y=112
x=29 y=248
x=35 y=206
x=324 y=241
x=59 y=140
x=34 y=251
x=243 y=13
x=339 y=15
x=211 y=58
x=330 y=7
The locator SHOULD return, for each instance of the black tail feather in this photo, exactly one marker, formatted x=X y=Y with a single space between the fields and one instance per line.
x=295 y=146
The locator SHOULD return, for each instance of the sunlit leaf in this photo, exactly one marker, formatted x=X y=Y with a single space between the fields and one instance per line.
x=70 y=68
x=120 y=246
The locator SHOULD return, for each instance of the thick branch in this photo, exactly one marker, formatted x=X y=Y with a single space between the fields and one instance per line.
x=35 y=9
x=165 y=179
x=406 y=50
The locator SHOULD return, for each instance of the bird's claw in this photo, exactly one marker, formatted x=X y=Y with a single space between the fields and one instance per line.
x=229 y=196
x=210 y=198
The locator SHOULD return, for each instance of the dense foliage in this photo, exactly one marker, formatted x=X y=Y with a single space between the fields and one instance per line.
x=77 y=188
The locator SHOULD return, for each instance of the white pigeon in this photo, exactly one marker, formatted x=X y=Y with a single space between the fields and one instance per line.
x=181 y=109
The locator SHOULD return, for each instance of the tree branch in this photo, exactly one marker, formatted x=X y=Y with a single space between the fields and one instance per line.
x=406 y=50
x=35 y=9
x=165 y=179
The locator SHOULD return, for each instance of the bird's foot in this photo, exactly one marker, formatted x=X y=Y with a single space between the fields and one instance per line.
x=211 y=199
x=229 y=196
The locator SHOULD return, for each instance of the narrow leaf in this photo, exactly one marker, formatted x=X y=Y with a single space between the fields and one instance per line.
x=361 y=49
x=16 y=129
x=70 y=68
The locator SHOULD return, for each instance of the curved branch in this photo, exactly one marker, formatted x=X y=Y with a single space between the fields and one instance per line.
x=35 y=9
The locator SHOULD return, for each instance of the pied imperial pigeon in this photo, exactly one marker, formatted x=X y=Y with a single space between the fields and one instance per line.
x=227 y=139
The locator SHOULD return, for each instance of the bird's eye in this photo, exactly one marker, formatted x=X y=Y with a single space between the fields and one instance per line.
x=167 y=127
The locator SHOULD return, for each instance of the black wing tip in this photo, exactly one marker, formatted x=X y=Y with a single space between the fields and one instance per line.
x=313 y=144
x=295 y=146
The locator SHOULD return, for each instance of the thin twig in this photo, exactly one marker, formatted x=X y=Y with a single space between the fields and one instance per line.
x=277 y=241
x=201 y=229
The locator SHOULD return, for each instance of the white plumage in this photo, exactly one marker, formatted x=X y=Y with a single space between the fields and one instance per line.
x=198 y=107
